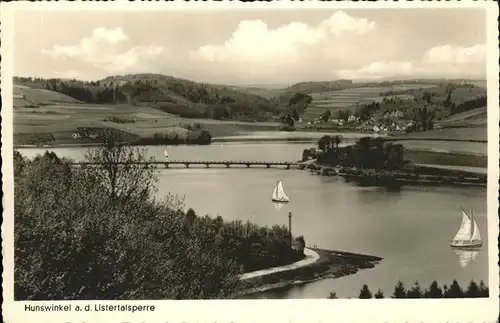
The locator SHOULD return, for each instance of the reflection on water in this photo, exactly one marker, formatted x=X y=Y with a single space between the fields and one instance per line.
x=409 y=228
x=466 y=256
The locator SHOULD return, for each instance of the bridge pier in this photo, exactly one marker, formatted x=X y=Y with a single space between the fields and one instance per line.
x=207 y=165
x=187 y=165
x=167 y=165
x=248 y=165
x=227 y=165
x=287 y=166
x=268 y=165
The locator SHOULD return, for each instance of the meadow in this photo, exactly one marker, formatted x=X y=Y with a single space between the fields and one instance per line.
x=40 y=112
x=472 y=118
x=472 y=133
x=348 y=98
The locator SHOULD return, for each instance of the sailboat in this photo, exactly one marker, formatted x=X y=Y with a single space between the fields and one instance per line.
x=279 y=195
x=468 y=235
x=165 y=152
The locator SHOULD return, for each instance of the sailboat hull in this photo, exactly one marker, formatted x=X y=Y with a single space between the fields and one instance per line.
x=466 y=244
x=279 y=201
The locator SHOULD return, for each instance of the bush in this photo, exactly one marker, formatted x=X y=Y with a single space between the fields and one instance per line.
x=202 y=137
x=98 y=233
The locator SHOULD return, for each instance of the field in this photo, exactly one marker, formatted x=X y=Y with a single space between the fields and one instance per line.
x=448 y=152
x=471 y=118
x=473 y=133
x=25 y=97
x=346 y=99
x=61 y=120
x=477 y=148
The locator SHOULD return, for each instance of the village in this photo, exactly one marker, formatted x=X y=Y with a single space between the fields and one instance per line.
x=390 y=122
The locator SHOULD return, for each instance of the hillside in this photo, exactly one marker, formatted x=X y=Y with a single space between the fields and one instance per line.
x=350 y=99
x=348 y=95
x=436 y=103
x=172 y=95
x=24 y=96
x=472 y=118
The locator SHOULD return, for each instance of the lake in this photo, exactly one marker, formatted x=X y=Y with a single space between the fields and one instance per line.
x=410 y=228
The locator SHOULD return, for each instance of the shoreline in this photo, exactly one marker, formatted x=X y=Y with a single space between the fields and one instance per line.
x=262 y=139
x=329 y=264
x=311 y=256
x=417 y=174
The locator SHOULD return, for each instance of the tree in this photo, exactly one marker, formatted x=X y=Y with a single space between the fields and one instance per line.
x=323 y=143
x=365 y=292
x=415 y=291
x=473 y=290
x=288 y=119
x=455 y=291
x=337 y=140
x=204 y=137
x=190 y=217
x=343 y=115
x=434 y=291
x=326 y=115
x=447 y=102
x=379 y=294
x=79 y=237
x=332 y=296
x=483 y=289
x=399 y=290
x=299 y=244
x=122 y=179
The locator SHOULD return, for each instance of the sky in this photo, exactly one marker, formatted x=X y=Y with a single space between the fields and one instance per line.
x=275 y=46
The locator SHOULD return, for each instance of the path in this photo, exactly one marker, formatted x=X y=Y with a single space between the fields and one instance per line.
x=311 y=257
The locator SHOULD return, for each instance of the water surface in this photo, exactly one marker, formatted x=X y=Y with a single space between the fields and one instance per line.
x=409 y=228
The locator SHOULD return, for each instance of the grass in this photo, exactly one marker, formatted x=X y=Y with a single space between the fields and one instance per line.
x=447 y=159
x=26 y=96
x=446 y=146
x=472 y=118
x=346 y=99
x=61 y=120
x=473 y=133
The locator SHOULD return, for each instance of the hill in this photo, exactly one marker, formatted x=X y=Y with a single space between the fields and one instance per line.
x=172 y=95
x=350 y=99
x=435 y=103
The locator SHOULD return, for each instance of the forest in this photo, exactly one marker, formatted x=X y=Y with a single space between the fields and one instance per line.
x=367 y=152
x=173 y=95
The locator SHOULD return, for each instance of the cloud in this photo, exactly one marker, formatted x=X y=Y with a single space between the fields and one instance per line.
x=341 y=22
x=448 y=54
x=379 y=70
x=438 y=61
x=253 y=42
x=106 y=50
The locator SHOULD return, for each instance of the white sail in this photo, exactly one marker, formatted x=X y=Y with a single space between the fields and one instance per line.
x=165 y=153
x=279 y=194
x=464 y=233
x=476 y=235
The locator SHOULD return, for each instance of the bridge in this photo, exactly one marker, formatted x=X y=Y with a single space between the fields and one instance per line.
x=206 y=163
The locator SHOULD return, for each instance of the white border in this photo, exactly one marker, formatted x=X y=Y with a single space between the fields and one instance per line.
x=345 y=310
